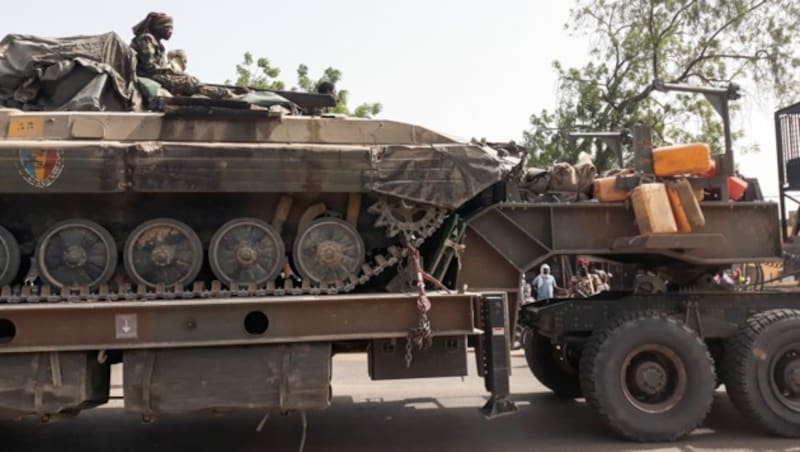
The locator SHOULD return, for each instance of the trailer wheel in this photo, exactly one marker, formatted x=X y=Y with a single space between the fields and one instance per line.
x=763 y=371
x=554 y=367
x=649 y=376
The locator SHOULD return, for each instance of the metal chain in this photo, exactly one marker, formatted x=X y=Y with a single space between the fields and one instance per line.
x=420 y=336
x=409 y=356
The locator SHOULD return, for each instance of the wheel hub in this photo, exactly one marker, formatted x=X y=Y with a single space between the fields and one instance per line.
x=793 y=377
x=788 y=371
x=330 y=253
x=246 y=255
x=75 y=257
x=163 y=255
x=651 y=377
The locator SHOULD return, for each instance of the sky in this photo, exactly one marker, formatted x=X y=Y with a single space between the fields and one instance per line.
x=466 y=68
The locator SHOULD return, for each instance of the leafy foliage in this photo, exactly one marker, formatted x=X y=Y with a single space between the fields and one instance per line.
x=258 y=74
x=261 y=75
x=635 y=42
x=333 y=76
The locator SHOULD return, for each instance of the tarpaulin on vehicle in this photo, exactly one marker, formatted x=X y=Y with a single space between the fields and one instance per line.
x=81 y=73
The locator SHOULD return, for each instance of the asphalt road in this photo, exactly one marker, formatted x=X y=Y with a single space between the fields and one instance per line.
x=413 y=415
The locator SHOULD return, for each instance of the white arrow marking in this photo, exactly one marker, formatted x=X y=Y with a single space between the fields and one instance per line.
x=126 y=328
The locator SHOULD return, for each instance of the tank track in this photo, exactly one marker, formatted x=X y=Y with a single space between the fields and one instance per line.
x=213 y=289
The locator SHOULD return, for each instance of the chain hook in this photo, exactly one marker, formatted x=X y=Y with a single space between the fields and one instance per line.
x=421 y=336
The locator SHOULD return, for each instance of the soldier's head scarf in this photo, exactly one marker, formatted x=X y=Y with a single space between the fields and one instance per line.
x=152 y=20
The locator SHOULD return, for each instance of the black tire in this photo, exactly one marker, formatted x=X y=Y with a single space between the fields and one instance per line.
x=653 y=350
x=762 y=371
x=550 y=367
x=9 y=257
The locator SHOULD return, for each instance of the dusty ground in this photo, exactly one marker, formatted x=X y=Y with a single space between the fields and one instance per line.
x=423 y=415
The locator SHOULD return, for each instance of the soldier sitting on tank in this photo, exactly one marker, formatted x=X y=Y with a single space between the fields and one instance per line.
x=151 y=61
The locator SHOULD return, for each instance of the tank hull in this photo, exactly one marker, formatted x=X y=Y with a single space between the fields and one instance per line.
x=332 y=201
x=445 y=176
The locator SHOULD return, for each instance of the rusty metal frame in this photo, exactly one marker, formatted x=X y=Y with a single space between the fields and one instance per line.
x=221 y=322
x=526 y=235
x=719 y=98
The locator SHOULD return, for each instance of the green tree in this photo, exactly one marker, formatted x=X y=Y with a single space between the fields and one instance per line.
x=261 y=75
x=257 y=74
x=333 y=76
x=635 y=42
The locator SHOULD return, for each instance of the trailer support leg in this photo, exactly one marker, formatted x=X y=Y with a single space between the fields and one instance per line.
x=496 y=358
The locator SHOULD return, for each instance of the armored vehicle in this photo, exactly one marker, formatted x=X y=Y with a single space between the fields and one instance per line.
x=205 y=191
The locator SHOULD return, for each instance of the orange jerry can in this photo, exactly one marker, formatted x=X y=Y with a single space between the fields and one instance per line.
x=692 y=158
x=685 y=206
x=652 y=209
x=605 y=189
x=699 y=194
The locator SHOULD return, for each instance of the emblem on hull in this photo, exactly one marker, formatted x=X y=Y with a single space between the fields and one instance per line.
x=40 y=168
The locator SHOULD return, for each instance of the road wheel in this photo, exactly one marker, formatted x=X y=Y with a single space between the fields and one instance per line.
x=9 y=257
x=76 y=253
x=555 y=367
x=328 y=251
x=163 y=251
x=246 y=251
x=649 y=376
x=762 y=371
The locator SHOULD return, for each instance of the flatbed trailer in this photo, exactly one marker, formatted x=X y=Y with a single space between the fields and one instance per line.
x=239 y=352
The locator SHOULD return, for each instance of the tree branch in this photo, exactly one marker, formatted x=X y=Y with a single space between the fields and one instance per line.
x=675 y=18
x=702 y=56
x=655 y=42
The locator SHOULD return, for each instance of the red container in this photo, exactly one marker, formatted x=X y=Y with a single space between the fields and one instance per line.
x=712 y=170
x=736 y=187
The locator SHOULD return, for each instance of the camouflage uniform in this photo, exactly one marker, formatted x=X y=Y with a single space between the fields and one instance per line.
x=152 y=62
x=583 y=286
